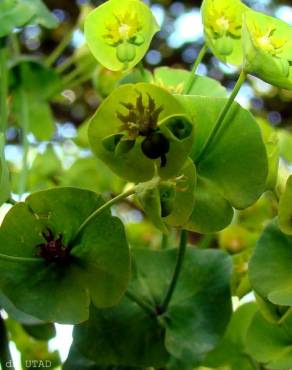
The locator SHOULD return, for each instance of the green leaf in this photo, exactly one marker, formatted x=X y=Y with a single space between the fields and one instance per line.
x=42 y=14
x=269 y=343
x=91 y=174
x=231 y=350
x=285 y=209
x=169 y=202
x=190 y=328
x=222 y=26
x=107 y=130
x=174 y=80
x=233 y=171
x=40 y=84
x=43 y=332
x=14 y=13
x=60 y=290
x=267 y=48
x=271 y=142
x=270 y=266
x=4 y=173
x=119 y=34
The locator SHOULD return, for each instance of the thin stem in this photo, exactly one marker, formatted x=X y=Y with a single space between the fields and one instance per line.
x=77 y=72
x=3 y=85
x=192 y=78
x=285 y=316
x=223 y=113
x=179 y=263
x=144 y=305
x=60 y=48
x=25 y=144
x=164 y=241
x=105 y=206
x=142 y=69
x=5 y=355
x=5 y=257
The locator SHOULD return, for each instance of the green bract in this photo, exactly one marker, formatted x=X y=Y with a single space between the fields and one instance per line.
x=174 y=80
x=267 y=49
x=16 y=13
x=222 y=21
x=140 y=131
x=181 y=332
x=269 y=343
x=231 y=351
x=119 y=33
x=71 y=268
x=169 y=202
x=232 y=173
x=285 y=209
x=270 y=266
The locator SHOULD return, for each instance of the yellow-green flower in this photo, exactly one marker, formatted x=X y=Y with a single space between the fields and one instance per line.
x=119 y=33
x=267 y=43
x=222 y=21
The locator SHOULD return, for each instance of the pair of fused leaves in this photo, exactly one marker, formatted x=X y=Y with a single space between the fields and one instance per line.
x=119 y=33
x=194 y=322
x=139 y=119
x=33 y=85
x=233 y=172
x=261 y=44
x=169 y=202
x=97 y=269
x=16 y=13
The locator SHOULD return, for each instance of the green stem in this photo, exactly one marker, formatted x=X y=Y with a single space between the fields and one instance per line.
x=77 y=72
x=179 y=263
x=105 y=206
x=3 y=85
x=223 y=113
x=285 y=316
x=5 y=257
x=60 y=48
x=142 y=69
x=5 y=355
x=193 y=76
x=25 y=144
x=144 y=305
x=164 y=241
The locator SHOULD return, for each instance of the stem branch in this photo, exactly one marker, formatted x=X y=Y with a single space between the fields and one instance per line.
x=223 y=113
x=144 y=305
x=25 y=143
x=60 y=48
x=179 y=263
x=108 y=204
x=192 y=78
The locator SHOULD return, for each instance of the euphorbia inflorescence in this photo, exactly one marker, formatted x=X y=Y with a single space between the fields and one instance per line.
x=53 y=250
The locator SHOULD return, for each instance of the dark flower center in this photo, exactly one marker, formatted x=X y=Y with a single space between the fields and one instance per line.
x=53 y=250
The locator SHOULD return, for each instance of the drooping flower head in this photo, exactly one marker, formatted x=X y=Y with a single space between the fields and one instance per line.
x=119 y=33
x=222 y=21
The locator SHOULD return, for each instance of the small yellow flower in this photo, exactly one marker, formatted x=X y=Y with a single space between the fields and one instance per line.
x=223 y=19
x=125 y=27
x=266 y=39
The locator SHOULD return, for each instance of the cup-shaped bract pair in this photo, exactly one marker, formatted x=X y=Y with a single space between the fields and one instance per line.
x=223 y=28
x=267 y=46
x=238 y=35
x=58 y=267
x=170 y=202
x=140 y=131
x=119 y=33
